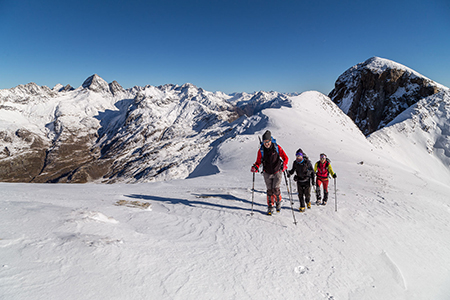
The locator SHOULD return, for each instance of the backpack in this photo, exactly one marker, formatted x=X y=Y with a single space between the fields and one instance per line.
x=327 y=163
x=274 y=142
x=261 y=149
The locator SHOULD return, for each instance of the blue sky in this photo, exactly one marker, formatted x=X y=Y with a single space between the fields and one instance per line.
x=226 y=45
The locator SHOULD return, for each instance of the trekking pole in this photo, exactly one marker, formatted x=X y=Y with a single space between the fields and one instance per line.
x=290 y=187
x=253 y=192
x=289 y=193
x=335 y=196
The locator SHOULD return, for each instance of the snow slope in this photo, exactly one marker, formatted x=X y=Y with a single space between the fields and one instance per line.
x=195 y=238
x=420 y=137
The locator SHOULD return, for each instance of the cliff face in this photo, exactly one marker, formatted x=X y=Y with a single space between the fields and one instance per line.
x=374 y=92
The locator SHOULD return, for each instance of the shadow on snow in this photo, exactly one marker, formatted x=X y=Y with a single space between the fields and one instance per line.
x=194 y=203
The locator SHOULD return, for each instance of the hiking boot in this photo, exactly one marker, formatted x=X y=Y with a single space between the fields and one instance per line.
x=318 y=202
x=278 y=206
x=269 y=210
x=308 y=205
x=324 y=202
x=302 y=209
x=325 y=197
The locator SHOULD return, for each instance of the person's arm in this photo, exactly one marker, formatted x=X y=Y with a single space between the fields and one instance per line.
x=330 y=170
x=284 y=157
x=255 y=167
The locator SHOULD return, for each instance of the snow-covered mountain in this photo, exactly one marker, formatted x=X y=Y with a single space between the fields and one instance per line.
x=250 y=104
x=374 y=92
x=195 y=238
x=102 y=132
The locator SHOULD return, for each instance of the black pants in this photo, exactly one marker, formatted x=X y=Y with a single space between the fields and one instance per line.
x=304 y=194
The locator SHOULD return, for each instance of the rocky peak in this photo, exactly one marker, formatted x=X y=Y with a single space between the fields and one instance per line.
x=116 y=88
x=374 y=92
x=67 y=88
x=96 y=84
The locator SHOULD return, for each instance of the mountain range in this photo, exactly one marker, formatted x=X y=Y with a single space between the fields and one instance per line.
x=384 y=233
x=101 y=132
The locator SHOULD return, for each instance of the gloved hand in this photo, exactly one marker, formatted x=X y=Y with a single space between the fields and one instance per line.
x=334 y=175
x=288 y=174
x=295 y=178
x=254 y=169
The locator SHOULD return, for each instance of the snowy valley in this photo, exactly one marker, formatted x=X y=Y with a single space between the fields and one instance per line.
x=189 y=233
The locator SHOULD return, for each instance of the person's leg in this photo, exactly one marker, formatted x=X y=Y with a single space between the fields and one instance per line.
x=276 y=189
x=325 y=191
x=308 y=196
x=318 y=196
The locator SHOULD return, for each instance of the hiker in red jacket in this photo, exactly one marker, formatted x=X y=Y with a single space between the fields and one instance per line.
x=275 y=161
x=323 y=169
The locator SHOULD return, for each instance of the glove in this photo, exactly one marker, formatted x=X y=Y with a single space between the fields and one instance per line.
x=254 y=169
x=334 y=175
x=288 y=174
x=295 y=178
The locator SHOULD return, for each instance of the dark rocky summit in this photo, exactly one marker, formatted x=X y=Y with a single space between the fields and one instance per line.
x=374 y=92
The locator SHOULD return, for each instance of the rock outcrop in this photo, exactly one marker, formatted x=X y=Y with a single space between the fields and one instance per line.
x=374 y=92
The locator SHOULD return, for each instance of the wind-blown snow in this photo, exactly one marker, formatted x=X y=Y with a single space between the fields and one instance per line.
x=195 y=238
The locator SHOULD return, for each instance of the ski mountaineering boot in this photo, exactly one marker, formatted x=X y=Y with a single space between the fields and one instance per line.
x=325 y=198
x=278 y=202
x=270 y=204
x=318 y=197
x=308 y=204
x=302 y=209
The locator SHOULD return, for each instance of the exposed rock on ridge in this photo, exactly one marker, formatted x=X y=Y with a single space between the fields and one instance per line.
x=374 y=92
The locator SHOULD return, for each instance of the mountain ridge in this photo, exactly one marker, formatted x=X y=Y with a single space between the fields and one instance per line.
x=101 y=129
x=101 y=132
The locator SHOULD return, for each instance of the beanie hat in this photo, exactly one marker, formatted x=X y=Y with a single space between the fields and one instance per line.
x=267 y=136
x=299 y=152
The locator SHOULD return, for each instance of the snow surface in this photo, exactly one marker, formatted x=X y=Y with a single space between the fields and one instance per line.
x=196 y=239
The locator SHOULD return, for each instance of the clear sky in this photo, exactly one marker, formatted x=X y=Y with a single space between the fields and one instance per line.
x=218 y=45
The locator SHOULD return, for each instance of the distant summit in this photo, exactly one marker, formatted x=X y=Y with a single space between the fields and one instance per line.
x=96 y=84
x=374 y=92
